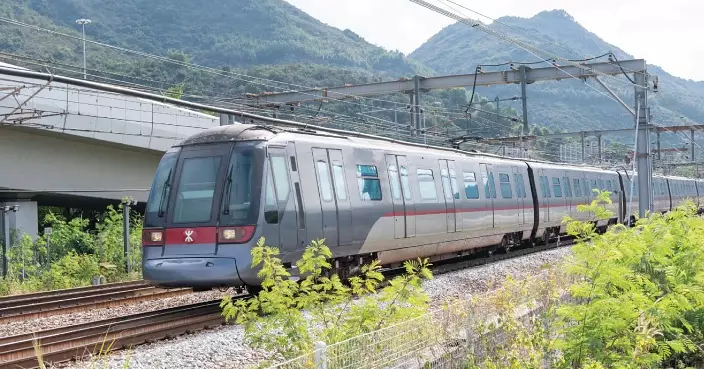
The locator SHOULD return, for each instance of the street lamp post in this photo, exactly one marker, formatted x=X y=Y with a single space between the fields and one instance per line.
x=83 y=23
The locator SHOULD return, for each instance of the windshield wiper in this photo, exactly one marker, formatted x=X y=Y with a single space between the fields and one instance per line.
x=228 y=190
x=167 y=185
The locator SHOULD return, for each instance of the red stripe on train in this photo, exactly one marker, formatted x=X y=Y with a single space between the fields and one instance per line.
x=191 y=236
x=471 y=210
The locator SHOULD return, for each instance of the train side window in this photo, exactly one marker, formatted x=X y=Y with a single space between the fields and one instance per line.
x=568 y=188
x=557 y=188
x=505 y=184
x=593 y=182
x=280 y=172
x=523 y=185
x=324 y=180
x=517 y=183
x=426 y=184
x=338 y=175
x=453 y=184
x=542 y=187
x=608 y=186
x=369 y=185
x=395 y=183
x=471 y=190
x=577 y=187
x=445 y=179
x=601 y=185
x=547 y=186
x=405 y=183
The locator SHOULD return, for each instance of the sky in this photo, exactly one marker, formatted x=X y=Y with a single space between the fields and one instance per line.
x=664 y=33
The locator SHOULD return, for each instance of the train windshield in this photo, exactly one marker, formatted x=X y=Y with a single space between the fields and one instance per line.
x=159 y=194
x=196 y=189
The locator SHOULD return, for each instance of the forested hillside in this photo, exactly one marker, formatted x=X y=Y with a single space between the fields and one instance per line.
x=568 y=104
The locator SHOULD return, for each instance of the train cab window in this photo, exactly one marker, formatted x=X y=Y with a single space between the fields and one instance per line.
x=395 y=182
x=368 y=181
x=338 y=176
x=445 y=178
x=426 y=184
x=471 y=190
x=405 y=183
x=577 y=187
x=505 y=184
x=194 y=200
x=568 y=187
x=557 y=189
x=324 y=180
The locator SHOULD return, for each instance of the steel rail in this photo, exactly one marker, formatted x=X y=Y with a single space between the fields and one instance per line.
x=36 y=297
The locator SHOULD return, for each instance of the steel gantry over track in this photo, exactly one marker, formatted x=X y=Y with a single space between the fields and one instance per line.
x=522 y=75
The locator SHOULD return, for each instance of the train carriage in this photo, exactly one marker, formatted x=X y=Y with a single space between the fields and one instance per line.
x=217 y=193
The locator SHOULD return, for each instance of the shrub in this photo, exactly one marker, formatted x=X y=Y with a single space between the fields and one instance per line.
x=275 y=319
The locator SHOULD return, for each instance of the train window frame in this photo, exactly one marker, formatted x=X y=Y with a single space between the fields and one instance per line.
x=341 y=187
x=425 y=184
x=324 y=187
x=557 y=186
x=279 y=184
x=505 y=185
x=468 y=184
x=178 y=203
x=365 y=178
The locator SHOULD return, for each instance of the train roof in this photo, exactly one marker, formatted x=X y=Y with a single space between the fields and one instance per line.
x=267 y=132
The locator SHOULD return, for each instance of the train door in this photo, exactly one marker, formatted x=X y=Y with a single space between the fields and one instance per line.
x=520 y=194
x=396 y=197
x=297 y=195
x=342 y=198
x=546 y=197
x=328 y=208
x=408 y=203
x=280 y=213
x=449 y=190
x=489 y=194
x=569 y=199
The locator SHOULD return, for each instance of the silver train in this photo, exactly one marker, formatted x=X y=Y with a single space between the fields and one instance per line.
x=216 y=193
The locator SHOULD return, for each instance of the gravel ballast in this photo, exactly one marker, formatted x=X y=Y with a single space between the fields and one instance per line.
x=62 y=320
x=223 y=347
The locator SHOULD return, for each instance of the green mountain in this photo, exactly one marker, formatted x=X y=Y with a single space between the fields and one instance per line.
x=567 y=104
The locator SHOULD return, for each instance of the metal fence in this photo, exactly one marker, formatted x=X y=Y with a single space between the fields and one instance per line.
x=460 y=334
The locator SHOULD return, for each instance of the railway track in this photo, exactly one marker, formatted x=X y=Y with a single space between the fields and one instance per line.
x=77 y=341
x=37 y=305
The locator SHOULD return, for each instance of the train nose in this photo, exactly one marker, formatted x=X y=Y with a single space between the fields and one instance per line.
x=192 y=271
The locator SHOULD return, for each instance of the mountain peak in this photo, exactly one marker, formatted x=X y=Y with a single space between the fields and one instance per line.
x=554 y=14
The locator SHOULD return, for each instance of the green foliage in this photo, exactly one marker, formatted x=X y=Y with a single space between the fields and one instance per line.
x=275 y=319
x=639 y=291
x=72 y=256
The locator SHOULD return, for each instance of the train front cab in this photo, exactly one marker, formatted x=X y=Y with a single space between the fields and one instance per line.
x=202 y=215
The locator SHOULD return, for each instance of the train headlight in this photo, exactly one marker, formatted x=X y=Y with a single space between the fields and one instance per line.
x=240 y=234
x=157 y=236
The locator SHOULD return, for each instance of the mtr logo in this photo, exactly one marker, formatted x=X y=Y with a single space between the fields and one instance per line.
x=188 y=235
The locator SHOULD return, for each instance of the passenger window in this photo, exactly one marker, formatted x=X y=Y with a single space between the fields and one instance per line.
x=426 y=184
x=490 y=186
x=556 y=187
x=324 y=180
x=471 y=189
x=547 y=186
x=278 y=165
x=505 y=184
x=453 y=184
x=445 y=178
x=405 y=184
x=338 y=175
x=395 y=183
x=368 y=181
